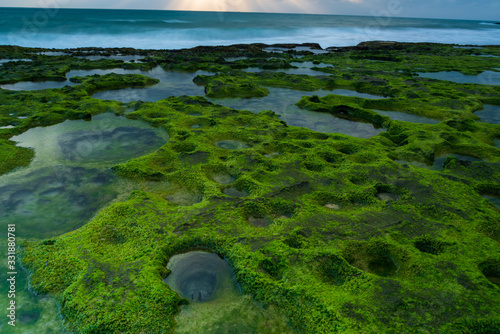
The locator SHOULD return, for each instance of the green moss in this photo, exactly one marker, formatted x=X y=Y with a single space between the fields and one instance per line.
x=13 y=156
x=96 y=82
x=227 y=86
x=334 y=233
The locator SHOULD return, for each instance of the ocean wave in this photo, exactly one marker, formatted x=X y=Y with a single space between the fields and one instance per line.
x=176 y=38
x=126 y=20
x=176 y=21
x=489 y=24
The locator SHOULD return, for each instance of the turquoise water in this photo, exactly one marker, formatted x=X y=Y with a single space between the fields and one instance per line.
x=146 y=29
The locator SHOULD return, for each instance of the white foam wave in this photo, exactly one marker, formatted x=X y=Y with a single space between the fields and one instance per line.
x=176 y=21
x=187 y=38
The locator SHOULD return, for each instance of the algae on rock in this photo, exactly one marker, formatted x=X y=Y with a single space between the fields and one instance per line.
x=339 y=234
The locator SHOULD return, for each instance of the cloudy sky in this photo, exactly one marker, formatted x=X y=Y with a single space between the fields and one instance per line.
x=451 y=9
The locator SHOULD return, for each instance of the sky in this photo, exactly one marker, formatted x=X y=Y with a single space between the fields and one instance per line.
x=447 y=9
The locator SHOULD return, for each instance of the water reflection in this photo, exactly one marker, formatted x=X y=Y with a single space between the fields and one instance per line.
x=172 y=83
x=489 y=114
x=2 y=61
x=54 y=200
x=485 y=78
x=216 y=305
x=438 y=163
x=55 y=194
x=304 y=68
x=348 y=92
x=106 y=140
x=282 y=102
x=126 y=59
x=495 y=200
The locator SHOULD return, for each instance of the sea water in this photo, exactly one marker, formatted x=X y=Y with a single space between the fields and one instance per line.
x=149 y=29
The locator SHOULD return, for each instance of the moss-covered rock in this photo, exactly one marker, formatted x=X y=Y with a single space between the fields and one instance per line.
x=341 y=234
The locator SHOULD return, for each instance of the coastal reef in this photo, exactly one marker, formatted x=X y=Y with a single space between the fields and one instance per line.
x=395 y=233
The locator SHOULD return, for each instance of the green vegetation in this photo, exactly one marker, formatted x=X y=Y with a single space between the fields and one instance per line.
x=340 y=234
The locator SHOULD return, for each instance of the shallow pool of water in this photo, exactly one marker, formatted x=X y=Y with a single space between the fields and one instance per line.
x=126 y=59
x=215 y=303
x=306 y=48
x=105 y=140
x=52 y=53
x=224 y=178
x=232 y=145
x=489 y=114
x=485 y=78
x=438 y=161
x=347 y=92
x=172 y=83
x=297 y=48
x=34 y=314
x=282 y=102
x=234 y=192
x=55 y=194
x=38 y=85
x=2 y=61
x=231 y=59
x=303 y=68
x=54 y=200
x=494 y=200
x=69 y=179
x=401 y=116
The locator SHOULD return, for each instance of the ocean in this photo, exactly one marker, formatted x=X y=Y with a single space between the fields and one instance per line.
x=149 y=29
